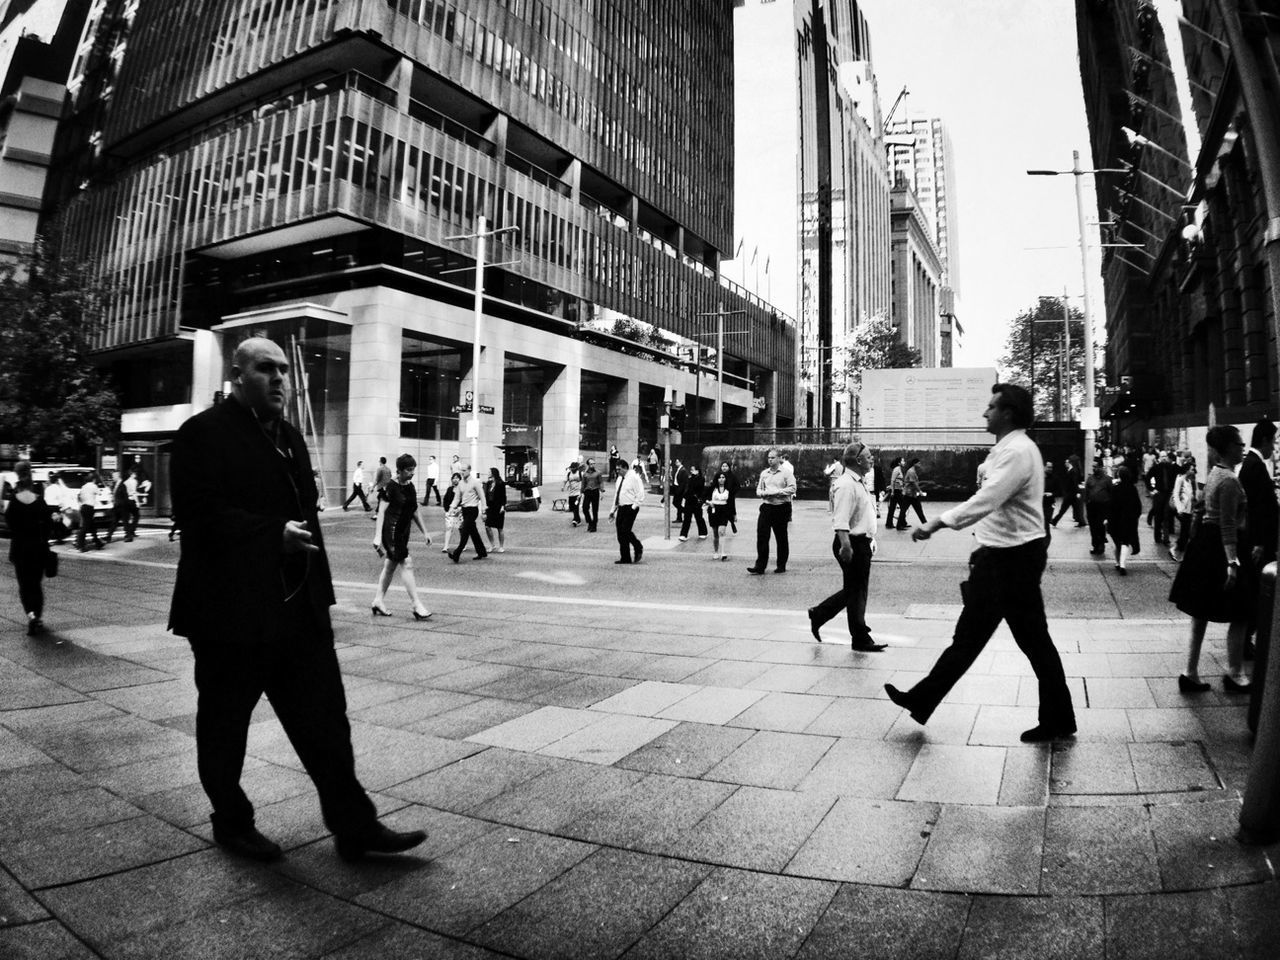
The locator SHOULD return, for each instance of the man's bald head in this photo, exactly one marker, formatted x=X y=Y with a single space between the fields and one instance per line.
x=258 y=369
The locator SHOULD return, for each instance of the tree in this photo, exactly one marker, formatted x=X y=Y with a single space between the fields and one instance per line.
x=1035 y=337
x=875 y=345
x=51 y=395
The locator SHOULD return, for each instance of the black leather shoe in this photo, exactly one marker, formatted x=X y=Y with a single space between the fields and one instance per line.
x=904 y=700
x=249 y=844
x=779 y=569
x=1230 y=686
x=814 y=625
x=639 y=552
x=380 y=840
x=755 y=570
x=1042 y=734
x=1187 y=685
x=621 y=561
x=867 y=646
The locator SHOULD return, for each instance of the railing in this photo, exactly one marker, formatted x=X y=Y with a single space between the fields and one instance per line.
x=447 y=125
x=536 y=173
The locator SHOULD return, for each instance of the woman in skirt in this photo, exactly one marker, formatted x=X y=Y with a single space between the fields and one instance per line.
x=1216 y=581
x=397 y=515
x=495 y=510
x=720 y=513
x=1122 y=518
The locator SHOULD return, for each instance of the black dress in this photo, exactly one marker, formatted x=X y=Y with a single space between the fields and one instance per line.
x=1199 y=589
x=495 y=504
x=402 y=503
x=1123 y=515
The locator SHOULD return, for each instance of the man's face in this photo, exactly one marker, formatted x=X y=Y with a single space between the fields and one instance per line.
x=997 y=417
x=261 y=383
x=773 y=458
x=466 y=472
x=591 y=464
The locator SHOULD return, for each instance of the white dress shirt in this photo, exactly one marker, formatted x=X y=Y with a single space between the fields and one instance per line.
x=1009 y=505
x=357 y=476
x=853 y=509
x=630 y=492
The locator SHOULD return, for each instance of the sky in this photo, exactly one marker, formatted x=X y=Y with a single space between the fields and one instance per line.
x=1004 y=76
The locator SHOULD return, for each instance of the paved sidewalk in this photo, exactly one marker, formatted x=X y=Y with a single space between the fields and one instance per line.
x=601 y=781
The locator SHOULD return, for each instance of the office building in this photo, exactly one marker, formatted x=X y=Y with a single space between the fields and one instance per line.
x=316 y=172
x=917 y=274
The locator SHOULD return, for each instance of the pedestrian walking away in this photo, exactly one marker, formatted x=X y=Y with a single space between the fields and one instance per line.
x=397 y=516
x=1216 y=581
x=1123 y=518
x=776 y=488
x=1007 y=514
x=382 y=477
x=495 y=511
x=896 y=502
x=432 y=473
x=357 y=487
x=1070 y=489
x=694 y=493
x=1161 y=478
x=29 y=521
x=1097 y=505
x=679 y=477
x=252 y=597
x=628 y=497
x=471 y=500
x=912 y=492
x=853 y=524
x=592 y=482
x=87 y=496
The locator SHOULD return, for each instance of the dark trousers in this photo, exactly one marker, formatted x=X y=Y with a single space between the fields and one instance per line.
x=896 y=503
x=88 y=525
x=573 y=508
x=1184 y=531
x=773 y=519
x=1070 y=501
x=356 y=491
x=125 y=513
x=693 y=511
x=627 y=540
x=913 y=503
x=1161 y=516
x=431 y=485
x=1097 y=514
x=591 y=507
x=468 y=529
x=30 y=577
x=300 y=676
x=852 y=595
x=1004 y=584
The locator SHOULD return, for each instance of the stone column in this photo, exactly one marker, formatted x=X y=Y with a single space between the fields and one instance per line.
x=623 y=417
x=373 y=419
x=561 y=426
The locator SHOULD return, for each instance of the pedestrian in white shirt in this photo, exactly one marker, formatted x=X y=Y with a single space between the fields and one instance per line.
x=87 y=496
x=357 y=487
x=1007 y=514
x=627 y=499
x=433 y=481
x=776 y=489
x=853 y=523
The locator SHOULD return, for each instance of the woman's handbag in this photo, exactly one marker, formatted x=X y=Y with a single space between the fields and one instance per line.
x=50 y=564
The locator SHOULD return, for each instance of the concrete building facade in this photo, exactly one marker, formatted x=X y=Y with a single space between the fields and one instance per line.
x=317 y=172
x=917 y=277
x=811 y=180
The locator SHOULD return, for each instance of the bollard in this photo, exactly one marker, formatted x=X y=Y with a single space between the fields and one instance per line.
x=1262 y=642
x=1260 y=813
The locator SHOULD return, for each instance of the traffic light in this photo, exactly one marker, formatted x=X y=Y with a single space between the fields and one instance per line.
x=677 y=417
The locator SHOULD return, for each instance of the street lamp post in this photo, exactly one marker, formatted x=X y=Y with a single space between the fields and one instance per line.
x=1090 y=413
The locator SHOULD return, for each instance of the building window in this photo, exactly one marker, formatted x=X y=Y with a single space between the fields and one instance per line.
x=430 y=378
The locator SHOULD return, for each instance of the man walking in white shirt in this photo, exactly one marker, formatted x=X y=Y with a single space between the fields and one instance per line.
x=776 y=489
x=628 y=495
x=357 y=487
x=433 y=481
x=1004 y=572
x=470 y=495
x=853 y=521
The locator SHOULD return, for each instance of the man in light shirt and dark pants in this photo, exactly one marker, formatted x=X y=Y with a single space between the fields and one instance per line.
x=853 y=520
x=776 y=489
x=470 y=495
x=627 y=498
x=1004 y=572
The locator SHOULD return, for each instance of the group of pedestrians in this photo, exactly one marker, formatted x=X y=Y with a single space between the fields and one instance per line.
x=905 y=492
x=76 y=510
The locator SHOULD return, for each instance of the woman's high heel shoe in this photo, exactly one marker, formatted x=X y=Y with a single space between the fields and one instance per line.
x=379 y=611
x=1187 y=685
x=422 y=616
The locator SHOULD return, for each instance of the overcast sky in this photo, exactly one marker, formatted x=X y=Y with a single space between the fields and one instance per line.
x=1004 y=76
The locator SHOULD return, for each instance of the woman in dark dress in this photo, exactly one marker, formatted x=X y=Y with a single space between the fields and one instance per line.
x=1216 y=580
x=731 y=484
x=695 y=491
x=495 y=510
x=397 y=515
x=28 y=518
x=1122 y=520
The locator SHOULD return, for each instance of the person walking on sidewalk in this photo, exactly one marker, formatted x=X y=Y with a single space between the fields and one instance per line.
x=731 y=484
x=695 y=491
x=853 y=522
x=381 y=477
x=592 y=481
x=1071 y=480
x=1004 y=572
x=1123 y=518
x=88 y=497
x=573 y=486
x=357 y=487
x=912 y=492
x=495 y=511
x=452 y=506
x=397 y=515
x=776 y=488
x=718 y=515
x=628 y=496
x=896 y=504
x=471 y=500
x=252 y=597
x=1097 y=504
x=433 y=481
x=30 y=522
x=1161 y=477
x=1183 y=503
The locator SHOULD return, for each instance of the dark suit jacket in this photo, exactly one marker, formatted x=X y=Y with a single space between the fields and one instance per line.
x=1263 y=513
x=232 y=494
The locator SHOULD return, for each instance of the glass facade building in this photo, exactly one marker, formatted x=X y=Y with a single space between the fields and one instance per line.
x=317 y=167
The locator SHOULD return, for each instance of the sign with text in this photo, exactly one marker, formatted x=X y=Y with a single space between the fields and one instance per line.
x=935 y=398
